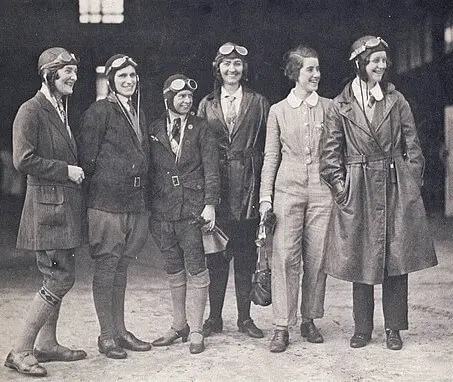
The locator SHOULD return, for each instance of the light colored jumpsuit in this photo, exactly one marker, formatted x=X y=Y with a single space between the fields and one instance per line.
x=302 y=203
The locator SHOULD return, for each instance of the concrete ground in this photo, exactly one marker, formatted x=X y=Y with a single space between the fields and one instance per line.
x=427 y=354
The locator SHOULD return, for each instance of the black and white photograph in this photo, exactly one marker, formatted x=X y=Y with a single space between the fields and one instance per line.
x=226 y=190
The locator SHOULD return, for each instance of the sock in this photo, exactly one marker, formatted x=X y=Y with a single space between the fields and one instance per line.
x=47 y=336
x=178 y=297
x=103 y=279
x=44 y=305
x=200 y=283
x=119 y=292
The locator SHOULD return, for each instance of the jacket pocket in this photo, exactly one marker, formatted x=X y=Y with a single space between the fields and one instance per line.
x=194 y=184
x=50 y=205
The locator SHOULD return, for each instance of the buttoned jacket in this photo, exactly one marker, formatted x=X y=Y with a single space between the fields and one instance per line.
x=113 y=158
x=181 y=188
x=292 y=143
x=43 y=149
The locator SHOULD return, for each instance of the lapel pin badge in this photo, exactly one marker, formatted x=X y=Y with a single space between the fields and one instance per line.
x=190 y=127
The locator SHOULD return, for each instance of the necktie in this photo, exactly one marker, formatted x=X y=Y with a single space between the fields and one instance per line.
x=176 y=130
x=371 y=101
x=231 y=114
x=133 y=113
x=131 y=108
x=62 y=113
x=369 y=109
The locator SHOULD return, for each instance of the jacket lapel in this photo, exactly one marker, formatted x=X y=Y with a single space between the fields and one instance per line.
x=383 y=109
x=351 y=111
x=217 y=111
x=55 y=119
x=244 y=106
x=189 y=130
x=161 y=134
x=121 y=114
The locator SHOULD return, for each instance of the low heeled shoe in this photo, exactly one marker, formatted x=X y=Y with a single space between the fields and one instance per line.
x=196 y=343
x=171 y=336
x=212 y=325
x=309 y=331
x=111 y=349
x=359 y=340
x=130 y=342
x=248 y=327
x=280 y=341
x=25 y=363
x=394 y=341
x=59 y=353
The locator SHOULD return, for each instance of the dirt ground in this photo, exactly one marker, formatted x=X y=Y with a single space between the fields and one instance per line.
x=427 y=354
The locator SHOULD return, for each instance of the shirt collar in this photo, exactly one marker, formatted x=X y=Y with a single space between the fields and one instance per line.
x=294 y=101
x=376 y=91
x=124 y=100
x=173 y=116
x=237 y=94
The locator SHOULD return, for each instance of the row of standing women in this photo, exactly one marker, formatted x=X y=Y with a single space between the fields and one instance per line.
x=343 y=178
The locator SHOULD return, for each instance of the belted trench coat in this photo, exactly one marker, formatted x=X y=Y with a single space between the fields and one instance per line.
x=376 y=225
x=240 y=152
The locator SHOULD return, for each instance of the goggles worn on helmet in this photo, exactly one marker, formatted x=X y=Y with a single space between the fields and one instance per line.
x=179 y=84
x=371 y=43
x=64 y=58
x=120 y=62
x=228 y=48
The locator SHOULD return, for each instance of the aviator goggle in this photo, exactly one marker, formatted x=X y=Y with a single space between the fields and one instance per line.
x=228 y=48
x=64 y=58
x=371 y=43
x=119 y=62
x=179 y=84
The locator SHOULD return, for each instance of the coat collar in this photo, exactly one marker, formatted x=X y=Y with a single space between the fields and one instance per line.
x=351 y=110
x=56 y=120
x=119 y=109
x=247 y=97
x=160 y=133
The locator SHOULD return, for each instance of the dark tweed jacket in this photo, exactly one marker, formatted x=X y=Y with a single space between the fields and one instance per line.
x=42 y=148
x=115 y=162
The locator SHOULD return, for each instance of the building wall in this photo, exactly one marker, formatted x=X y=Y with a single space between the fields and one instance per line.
x=169 y=36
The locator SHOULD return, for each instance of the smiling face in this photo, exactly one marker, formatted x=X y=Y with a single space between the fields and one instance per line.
x=65 y=79
x=231 y=70
x=183 y=101
x=376 y=67
x=309 y=75
x=126 y=81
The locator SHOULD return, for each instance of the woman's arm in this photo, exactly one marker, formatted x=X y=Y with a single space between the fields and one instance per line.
x=332 y=147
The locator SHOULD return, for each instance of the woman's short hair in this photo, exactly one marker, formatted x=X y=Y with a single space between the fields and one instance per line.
x=294 y=60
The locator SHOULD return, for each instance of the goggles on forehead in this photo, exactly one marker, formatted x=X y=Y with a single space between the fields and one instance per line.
x=179 y=84
x=64 y=58
x=228 y=48
x=371 y=43
x=119 y=62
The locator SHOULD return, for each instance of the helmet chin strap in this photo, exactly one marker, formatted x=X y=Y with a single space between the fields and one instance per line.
x=122 y=106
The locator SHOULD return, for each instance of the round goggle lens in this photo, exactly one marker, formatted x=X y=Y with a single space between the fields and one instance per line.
x=179 y=84
x=120 y=62
x=227 y=49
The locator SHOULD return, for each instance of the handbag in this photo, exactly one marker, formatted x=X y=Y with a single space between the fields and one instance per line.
x=214 y=241
x=261 y=281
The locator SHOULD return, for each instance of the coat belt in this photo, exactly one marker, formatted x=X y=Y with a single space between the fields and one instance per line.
x=365 y=158
x=241 y=154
